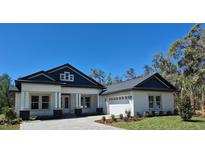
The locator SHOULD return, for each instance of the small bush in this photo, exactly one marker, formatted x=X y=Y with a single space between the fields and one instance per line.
x=103 y=118
x=32 y=118
x=176 y=111
x=146 y=114
x=16 y=121
x=161 y=113
x=128 y=113
x=121 y=116
x=113 y=117
x=139 y=115
x=126 y=119
x=10 y=114
x=169 y=113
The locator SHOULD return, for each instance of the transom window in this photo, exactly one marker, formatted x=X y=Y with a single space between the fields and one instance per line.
x=120 y=98
x=66 y=76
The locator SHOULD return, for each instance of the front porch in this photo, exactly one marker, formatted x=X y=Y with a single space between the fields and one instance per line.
x=59 y=104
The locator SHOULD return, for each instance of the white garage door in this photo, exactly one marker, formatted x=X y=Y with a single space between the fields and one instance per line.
x=119 y=107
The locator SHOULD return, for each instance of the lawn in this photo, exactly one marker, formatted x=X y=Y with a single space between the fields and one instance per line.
x=163 y=123
x=8 y=127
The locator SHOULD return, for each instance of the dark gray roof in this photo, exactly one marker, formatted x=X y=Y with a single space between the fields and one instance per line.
x=13 y=88
x=131 y=84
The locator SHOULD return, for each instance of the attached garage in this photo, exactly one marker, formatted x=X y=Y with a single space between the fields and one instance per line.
x=119 y=105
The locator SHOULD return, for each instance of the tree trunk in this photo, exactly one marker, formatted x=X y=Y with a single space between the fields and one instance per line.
x=193 y=103
x=203 y=104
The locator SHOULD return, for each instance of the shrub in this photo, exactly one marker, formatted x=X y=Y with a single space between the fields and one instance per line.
x=185 y=109
x=175 y=111
x=16 y=121
x=113 y=117
x=32 y=118
x=169 y=113
x=161 y=113
x=121 y=116
x=103 y=118
x=146 y=114
x=125 y=118
x=10 y=114
x=138 y=115
x=128 y=113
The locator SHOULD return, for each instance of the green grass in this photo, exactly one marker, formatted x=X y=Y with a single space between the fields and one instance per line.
x=163 y=123
x=8 y=127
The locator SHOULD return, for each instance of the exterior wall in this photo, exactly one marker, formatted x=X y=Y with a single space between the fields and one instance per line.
x=141 y=101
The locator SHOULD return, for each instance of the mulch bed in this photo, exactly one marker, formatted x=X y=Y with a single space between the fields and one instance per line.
x=110 y=121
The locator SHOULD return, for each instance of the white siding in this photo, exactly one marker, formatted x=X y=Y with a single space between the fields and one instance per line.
x=141 y=100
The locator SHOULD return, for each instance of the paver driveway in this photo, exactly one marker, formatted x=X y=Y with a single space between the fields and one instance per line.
x=84 y=123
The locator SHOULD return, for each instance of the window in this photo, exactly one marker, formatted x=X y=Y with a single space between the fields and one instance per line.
x=151 y=101
x=34 y=102
x=158 y=101
x=85 y=102
x=45 y=102
x=66 y=76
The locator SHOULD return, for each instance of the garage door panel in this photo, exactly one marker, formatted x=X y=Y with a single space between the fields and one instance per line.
x=119 y=107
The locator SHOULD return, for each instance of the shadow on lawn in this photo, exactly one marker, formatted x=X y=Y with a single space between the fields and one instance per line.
x=195 y=121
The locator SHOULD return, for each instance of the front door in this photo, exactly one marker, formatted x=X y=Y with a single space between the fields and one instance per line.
x=66 y=105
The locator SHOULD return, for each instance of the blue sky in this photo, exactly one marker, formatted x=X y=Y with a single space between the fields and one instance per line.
x=113 y=48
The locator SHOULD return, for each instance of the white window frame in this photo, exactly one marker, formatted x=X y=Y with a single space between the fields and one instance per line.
x=40 y=101
x=66 y=76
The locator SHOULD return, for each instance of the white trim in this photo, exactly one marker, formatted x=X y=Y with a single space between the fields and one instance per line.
x=41 y=74
x=73 y=71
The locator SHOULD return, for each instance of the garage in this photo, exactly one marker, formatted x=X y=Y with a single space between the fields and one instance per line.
x=118 y=105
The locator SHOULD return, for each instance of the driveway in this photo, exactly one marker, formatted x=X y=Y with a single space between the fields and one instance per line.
x=84 y=123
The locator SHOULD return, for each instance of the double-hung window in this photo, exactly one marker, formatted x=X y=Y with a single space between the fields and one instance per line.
x=151 y=101
x=154 y=102
x=85 y=102
x=45 y=102
x=35 y=102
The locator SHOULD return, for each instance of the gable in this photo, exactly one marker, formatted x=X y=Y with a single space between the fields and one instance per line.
x=78 y=79
x=41 y=77
x=154 y=83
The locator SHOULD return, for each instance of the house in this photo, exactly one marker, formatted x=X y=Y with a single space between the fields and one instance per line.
x=66 y=90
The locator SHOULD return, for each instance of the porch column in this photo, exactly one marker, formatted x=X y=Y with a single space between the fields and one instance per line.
x=76 y=100
x=98 y=101
x=59 y=100
x=22 y=100
x=56 y=100
x=27 y=106
x=79 y=100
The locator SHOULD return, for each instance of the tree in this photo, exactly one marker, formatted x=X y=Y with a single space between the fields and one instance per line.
x=117 y=79
x=130 y=74
x=148 y=70
x=163 y=64
x=98 y=75
x=189 y=53
x=184 y=104
x=109 y=79
x=5 y=97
